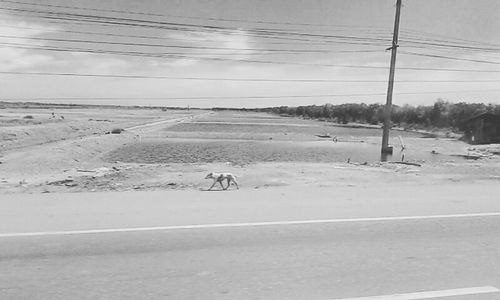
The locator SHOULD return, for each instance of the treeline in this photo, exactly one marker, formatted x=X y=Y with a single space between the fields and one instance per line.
x=442 y=114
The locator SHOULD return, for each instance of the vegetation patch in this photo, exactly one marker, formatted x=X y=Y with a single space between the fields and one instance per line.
x=441 y=114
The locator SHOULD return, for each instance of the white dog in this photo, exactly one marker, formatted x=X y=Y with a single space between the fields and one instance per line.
x=220 y=177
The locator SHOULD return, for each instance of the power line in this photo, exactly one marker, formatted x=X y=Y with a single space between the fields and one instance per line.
x=136 y=53
x=55 y=20
x=490 y=56
x=248 y=97
x=236 y=20
x=300 y=40
x=235 y=79
x=189 y=40
x=224 y=49
x=441 y=45
x=429 y=42
x=165 y=46
x=264 y=33
x=448 y=57
x=356 y=41
x=157 y=37
x=192 y=56
x=259 y=32
x=185 y=17
x=448 y=38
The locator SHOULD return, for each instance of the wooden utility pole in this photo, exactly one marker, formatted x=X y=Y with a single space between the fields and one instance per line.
x=388 y=105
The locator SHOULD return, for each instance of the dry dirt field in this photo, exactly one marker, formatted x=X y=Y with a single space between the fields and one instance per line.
x=72 y=150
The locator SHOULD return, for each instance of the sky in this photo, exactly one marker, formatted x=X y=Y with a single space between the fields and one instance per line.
x=252 y=53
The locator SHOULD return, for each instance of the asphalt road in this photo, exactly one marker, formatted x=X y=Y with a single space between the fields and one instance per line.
x=358 y=248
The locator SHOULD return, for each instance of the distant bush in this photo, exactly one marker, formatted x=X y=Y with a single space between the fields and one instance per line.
x=28 y=117
x=441 y=114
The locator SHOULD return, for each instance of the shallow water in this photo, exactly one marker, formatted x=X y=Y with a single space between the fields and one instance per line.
x=245 y=152
x=244 y=138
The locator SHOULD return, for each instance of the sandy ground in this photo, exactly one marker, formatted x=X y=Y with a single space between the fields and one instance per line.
x=69 y=151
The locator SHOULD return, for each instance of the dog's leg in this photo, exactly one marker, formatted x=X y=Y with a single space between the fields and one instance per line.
x=228 y=183
x=222 y=185
x=235 y=183
x=212 y=185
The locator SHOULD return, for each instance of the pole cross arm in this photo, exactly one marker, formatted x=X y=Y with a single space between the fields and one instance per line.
x=392 y=47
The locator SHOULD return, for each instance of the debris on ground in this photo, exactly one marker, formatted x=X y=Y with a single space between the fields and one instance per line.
x=467 y=156
x=62 y=182
x=405 y=163
x=99 y=172
x=117 y=130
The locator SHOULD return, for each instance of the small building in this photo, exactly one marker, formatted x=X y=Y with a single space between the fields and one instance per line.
x=483 y=129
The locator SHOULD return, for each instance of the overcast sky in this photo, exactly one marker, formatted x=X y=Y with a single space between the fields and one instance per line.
x=340 y=41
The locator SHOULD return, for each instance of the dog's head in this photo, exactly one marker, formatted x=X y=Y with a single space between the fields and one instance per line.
x=209 y=175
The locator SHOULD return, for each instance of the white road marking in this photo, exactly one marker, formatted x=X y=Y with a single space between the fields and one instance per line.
x=250 y=224
x=432 y=294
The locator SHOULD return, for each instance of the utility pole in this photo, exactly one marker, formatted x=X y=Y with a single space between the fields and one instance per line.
x=386 y=150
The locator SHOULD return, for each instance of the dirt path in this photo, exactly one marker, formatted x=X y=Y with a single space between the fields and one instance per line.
x=169 y=121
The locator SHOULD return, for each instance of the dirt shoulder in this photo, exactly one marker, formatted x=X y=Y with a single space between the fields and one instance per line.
x=175 y=150
x=37 y=154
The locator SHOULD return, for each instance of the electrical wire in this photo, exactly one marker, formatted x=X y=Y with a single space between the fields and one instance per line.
x=165 y=46
x=130 y=76
x=248 y=97
x=187 y=17
x=448 y=57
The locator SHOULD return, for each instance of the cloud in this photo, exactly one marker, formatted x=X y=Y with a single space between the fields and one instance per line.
x=14 y=54
x=21 y=53
x=229 y=44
